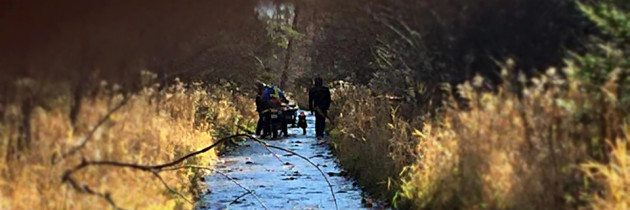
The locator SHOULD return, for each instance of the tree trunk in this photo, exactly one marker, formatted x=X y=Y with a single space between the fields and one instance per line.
x=75 y=106
x=25 y=127
x=287 y=58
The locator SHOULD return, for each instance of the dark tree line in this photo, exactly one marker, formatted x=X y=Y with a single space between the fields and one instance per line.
x=412 y=48
x=56 y=53
x=406 y=48
x=76 y=44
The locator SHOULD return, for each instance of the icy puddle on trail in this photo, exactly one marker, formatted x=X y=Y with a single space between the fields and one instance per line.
x=290 y=184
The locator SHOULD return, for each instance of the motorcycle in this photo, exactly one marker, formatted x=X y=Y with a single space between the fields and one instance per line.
x=281 y=118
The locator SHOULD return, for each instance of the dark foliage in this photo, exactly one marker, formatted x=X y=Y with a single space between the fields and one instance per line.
x=413 y=47
x=75 y=42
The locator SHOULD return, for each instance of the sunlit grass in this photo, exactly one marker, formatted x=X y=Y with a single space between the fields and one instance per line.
x=155 y=126
x=370 y=140
x=613 y=177
x=502 y=149
x=511 y=151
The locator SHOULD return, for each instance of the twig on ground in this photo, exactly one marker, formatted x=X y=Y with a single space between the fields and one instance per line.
x=239 y=197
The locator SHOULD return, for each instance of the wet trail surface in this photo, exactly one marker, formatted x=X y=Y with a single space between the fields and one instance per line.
x=290 y=184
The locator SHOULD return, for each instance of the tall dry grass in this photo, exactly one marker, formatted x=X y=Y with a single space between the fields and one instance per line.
x=155 y=126
x=613 y=178
x=371 y=141
x=514 y=150
x=518 y=146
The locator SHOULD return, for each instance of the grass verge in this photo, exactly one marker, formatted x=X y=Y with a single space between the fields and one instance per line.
x=156 y=125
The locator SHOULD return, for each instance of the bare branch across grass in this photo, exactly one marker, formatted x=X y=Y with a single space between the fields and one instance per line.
x=175 y=165
x=90 y=134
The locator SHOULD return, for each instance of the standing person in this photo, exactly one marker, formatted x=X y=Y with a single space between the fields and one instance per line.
x=262 y=108
x=319 y=101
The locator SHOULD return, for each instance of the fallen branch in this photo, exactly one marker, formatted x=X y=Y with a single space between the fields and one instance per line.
x=332 y=192
x=151 y=168
x=67 y=175
x=87 y=190
x=248 y=191
x=157 y=175
x=156 y=169
x=250 y=133
x=93 y=130
x=267 y=146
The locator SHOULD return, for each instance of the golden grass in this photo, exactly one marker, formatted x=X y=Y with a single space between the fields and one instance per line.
x=155 y=126
x=503 y=150
x=614 y=178
x=370 y=140
x=507 y=151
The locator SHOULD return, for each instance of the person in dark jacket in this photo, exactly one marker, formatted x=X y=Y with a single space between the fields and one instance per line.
x=262 y=109
x=319 y=101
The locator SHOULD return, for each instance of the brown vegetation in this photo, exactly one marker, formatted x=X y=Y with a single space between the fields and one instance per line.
x=154 y=126
x=370 y=140
x=506 y=152
x=517 y=139
x=503 y=150
x=408 y=125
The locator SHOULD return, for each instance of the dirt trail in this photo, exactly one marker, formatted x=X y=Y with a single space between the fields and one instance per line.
x=296 y=185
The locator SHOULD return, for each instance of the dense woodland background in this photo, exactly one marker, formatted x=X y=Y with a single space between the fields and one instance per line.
x=415 y=82
x=365 y=42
